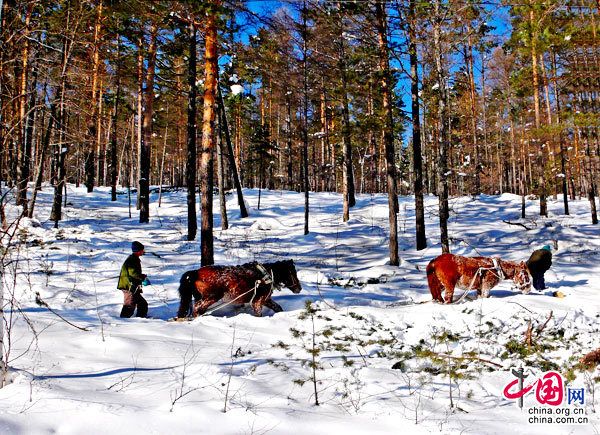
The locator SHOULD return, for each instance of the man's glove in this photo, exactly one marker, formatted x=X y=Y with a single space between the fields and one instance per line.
x=146 y=281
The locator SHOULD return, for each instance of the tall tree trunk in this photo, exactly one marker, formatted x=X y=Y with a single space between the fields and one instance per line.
x=94 y=122
x=3 y=365
x=416 y=130
x=208 y=135
x=62 y=149
x=288 y=106
x=148 y=111
x=323 y=117
x=221 y=175
x=536 y=105
x=61 y=152
x=305 y=115
x=470 y=65
x=563 y=165
x=483 y=110
x=388 y=129
x=442 y=135
x=372 y=143
x=45 y=146
x=591 y=185
x=3 y=221
x=113 y=137
x=29 y=133
x=140 y=113
x=100 y=145
x=191 y=136
x=348 y=182
x=230 y=155
x=21 y=158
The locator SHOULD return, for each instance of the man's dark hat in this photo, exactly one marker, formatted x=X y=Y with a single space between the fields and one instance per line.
x=136 y=247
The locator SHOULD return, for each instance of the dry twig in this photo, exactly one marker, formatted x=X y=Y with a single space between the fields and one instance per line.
x=42 y=303
x=517 y=223
x=539 y=329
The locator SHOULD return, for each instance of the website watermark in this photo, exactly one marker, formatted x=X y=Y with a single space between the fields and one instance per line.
x=547 y=415
x=555 y=403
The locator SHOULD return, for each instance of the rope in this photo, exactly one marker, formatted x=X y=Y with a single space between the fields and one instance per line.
x=496 y=268
x=224 y=304
x=268 y=278
x=466 y=292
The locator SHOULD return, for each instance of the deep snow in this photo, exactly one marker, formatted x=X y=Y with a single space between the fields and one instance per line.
x=153 y=376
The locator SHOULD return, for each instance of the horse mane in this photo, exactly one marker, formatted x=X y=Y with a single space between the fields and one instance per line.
x=276 y=267
x=252 y=264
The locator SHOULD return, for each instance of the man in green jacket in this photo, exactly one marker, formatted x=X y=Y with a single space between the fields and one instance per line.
x=131 y=279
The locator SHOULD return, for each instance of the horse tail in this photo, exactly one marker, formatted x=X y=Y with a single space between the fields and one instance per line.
x=435 y=286
x=186 y=284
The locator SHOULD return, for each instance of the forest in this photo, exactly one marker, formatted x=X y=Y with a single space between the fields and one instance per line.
x=402 y=97
x=324 y=154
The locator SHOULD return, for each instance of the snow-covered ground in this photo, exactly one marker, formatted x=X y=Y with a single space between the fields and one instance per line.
x=233 y=373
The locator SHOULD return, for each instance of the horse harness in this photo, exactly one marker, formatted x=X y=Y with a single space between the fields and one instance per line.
x=514 y=284
x=495 y=268
x=267 y=278
x=498 y=269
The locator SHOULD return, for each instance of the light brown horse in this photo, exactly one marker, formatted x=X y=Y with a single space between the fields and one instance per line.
x=249 y=283
x=448 y=271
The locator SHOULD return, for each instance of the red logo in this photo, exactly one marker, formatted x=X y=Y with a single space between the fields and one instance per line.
x=549 y=389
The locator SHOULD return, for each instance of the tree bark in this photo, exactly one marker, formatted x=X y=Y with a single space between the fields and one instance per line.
x=288 y=106
x=40 y=169
x=470 y=65
x=26 y=152
x=221 y=175
x=93 y=134
x=388 y=129
x=21 y=159
x=191 y=136
x=3 y=221
x=536 y=105
x=62 y=149
x=305 y=116
x=591 y=185
x=230 y=155
x=442 y=135
x=140 y=113
x=208 y=136
x=113 y=138
x=148 y=111
x=563 y=159
x=416 y=131
x=348 y=182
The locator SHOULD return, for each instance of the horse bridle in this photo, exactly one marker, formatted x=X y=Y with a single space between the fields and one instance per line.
x=269 y=278
x=502 y=275
x=295 y=282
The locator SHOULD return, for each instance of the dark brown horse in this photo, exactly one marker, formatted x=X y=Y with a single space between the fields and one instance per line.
x=473 y=273
x=249 y=283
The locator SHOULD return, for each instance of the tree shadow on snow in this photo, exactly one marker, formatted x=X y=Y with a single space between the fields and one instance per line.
x=567 y=283
x=104 y=373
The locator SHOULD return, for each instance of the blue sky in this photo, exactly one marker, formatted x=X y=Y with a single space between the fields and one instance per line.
x=497 y=17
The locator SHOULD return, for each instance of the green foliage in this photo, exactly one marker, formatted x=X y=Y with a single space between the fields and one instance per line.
x=517 y=347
